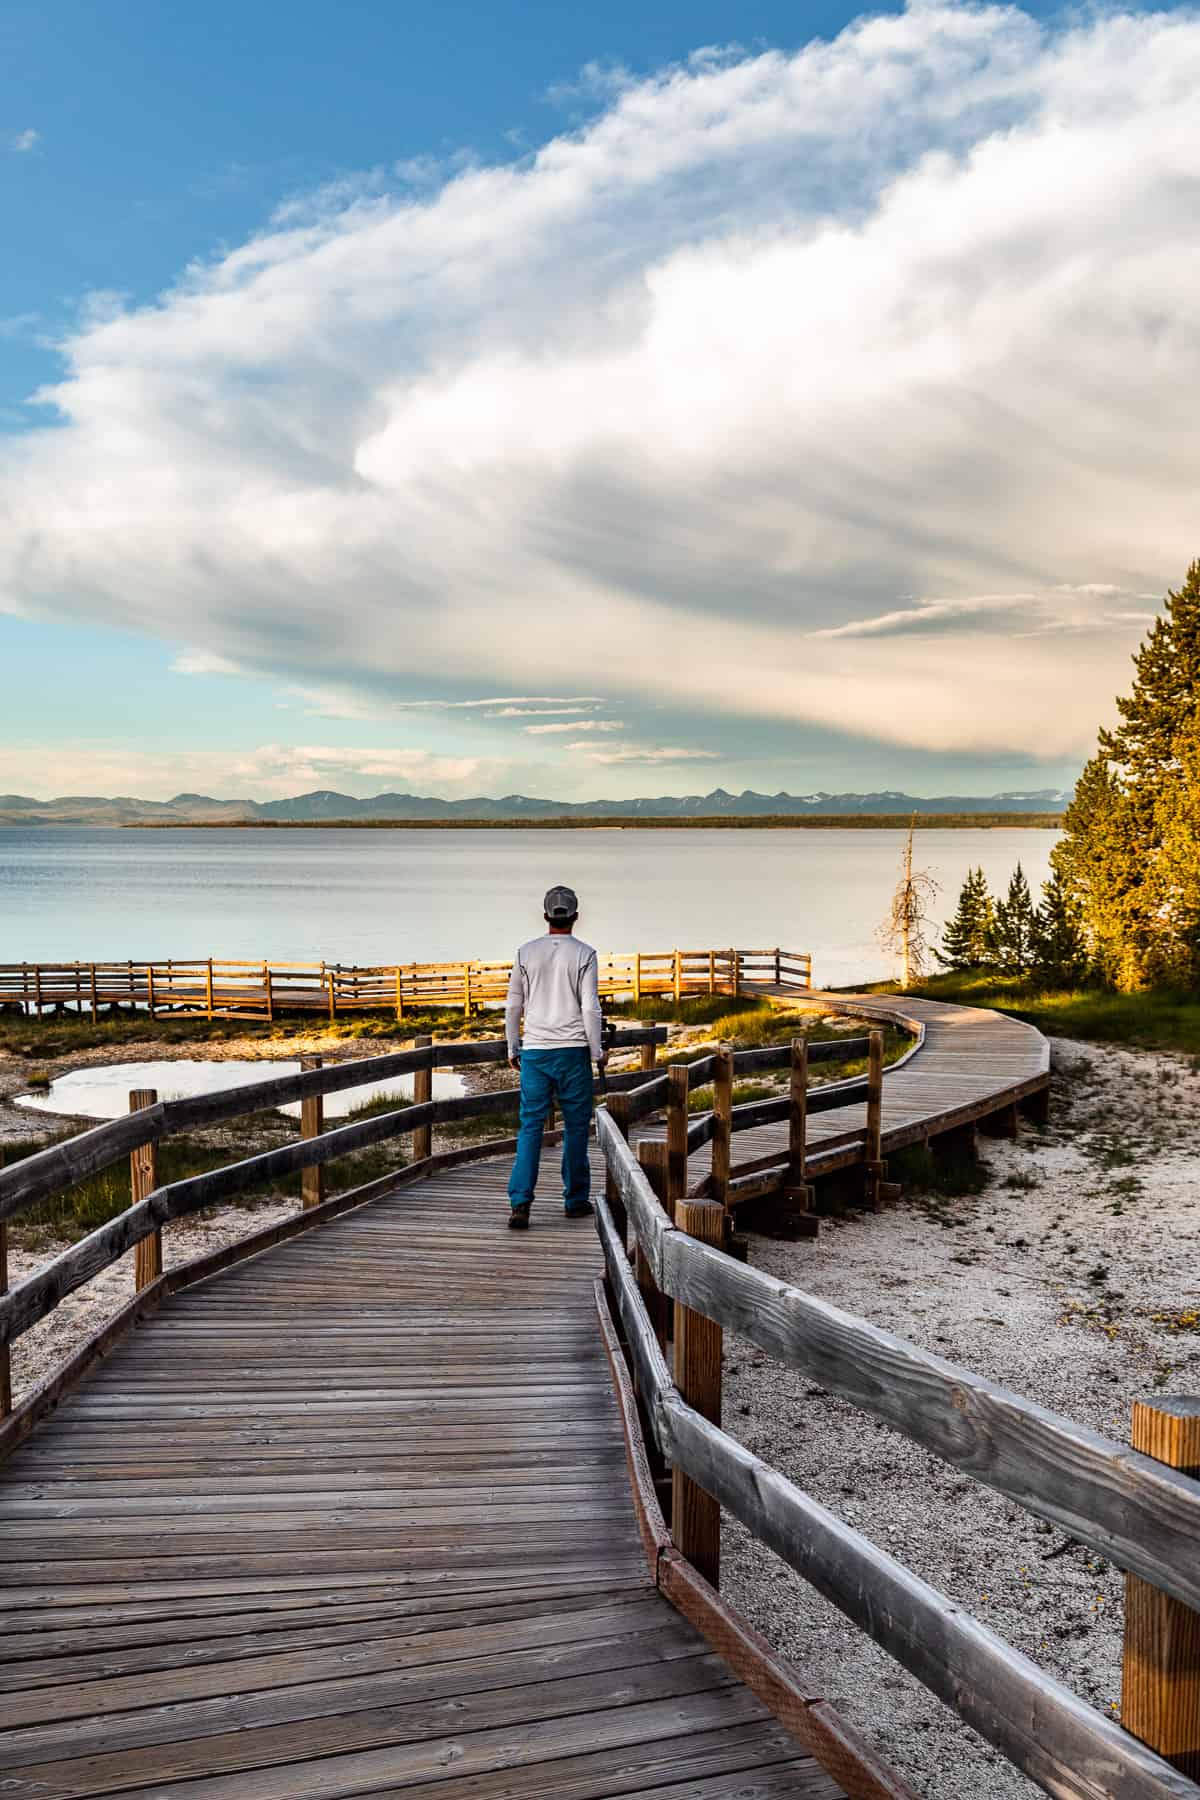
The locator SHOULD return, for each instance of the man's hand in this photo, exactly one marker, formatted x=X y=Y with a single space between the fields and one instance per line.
x=602 y=1064
x=514 y=1062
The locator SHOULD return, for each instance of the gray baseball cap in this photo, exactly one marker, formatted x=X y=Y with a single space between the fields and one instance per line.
x=561 y=903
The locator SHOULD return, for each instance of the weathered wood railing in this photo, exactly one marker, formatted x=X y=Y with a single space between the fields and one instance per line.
x=1140 y=1513
x=216 y=988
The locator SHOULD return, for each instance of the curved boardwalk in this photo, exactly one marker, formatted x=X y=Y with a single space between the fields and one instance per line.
x=972 y=1063
x=354 y=1518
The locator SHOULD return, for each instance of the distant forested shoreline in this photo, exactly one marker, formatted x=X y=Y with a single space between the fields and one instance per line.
x=622 y=822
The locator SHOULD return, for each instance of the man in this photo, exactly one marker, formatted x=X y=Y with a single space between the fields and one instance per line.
x=553 y=985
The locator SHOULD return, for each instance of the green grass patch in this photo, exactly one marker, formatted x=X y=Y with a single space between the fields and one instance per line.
x=701 y=1099
x=1157 y=1020
x=948 y=1174
x=64 y=1034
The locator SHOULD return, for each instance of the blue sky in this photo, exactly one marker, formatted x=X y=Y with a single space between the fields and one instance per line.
x=487 y=398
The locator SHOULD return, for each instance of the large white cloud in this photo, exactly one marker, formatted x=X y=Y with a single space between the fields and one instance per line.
x=897 y=333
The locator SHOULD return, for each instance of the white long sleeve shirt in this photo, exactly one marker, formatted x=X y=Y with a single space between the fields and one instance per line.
x=553 y=986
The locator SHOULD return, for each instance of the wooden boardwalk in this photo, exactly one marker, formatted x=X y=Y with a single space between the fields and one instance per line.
x=972 y=1063
x=353 y=1517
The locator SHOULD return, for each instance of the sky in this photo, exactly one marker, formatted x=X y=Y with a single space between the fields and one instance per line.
x=587 y=402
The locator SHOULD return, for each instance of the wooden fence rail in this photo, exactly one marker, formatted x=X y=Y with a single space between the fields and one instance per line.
x=261 y=989
x=1142 y=1514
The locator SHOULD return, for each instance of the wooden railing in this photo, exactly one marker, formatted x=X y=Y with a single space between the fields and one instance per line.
x=1144 y=1515
x=215 y=988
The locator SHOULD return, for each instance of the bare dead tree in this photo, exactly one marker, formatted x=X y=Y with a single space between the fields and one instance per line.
x=905 y=930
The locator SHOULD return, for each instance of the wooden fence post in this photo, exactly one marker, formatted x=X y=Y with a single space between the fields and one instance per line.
x=874 y=1169
x=799 y=1190
x=6 y=1350
x=649 y=1056
x=269 y=993
x=208 y=991
x=678 y=978
x=399 y=994
x=618 y=1112
x=95 y=1014
x=695 y=1515
x=422 y=1142
x=652 y=1154
x=677 y=1130
x=143 y=1179
x=150 y=987
x=712 y=971
x=778 y=976
x=637 y=978
x=37 y=987
x=312 y=1124
x=466 y=990
x=332 y=995
x=722 y=1133
x=1160 y=1680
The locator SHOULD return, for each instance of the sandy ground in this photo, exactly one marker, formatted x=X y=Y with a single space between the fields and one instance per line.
x=1072 y=1279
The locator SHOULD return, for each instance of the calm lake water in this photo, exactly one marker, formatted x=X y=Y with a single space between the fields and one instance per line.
x=402 y=896
x=104 y=1093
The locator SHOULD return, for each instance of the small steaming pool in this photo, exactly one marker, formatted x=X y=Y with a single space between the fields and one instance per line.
x=103 y=1093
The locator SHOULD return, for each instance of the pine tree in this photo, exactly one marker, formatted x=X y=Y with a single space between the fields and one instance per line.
x=1013 y=936
x=968 y=938
x=1113 y=858
x=1176 y=874
x=1059 y=950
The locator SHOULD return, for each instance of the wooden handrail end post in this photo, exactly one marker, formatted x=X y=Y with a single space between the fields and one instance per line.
x=422 y=1141
x=695 y=1515
x=143 y=1179
x=874 y=1168
x=1160 y=1677
x=677 y=1132
x=722 y=1123
x=312 y=1124
x=652 y=1155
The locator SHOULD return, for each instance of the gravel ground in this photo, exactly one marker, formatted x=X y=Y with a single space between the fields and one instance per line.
x=1072 y=1279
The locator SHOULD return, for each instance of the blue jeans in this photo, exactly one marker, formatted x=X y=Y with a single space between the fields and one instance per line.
x=544 y=1073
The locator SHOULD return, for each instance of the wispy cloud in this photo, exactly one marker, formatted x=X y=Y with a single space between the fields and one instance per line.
x=935 y=616
x=24 y=141
x=647 y=755
x=344 y=703
x=576 y=725
x=538 y=712
x=203 y=662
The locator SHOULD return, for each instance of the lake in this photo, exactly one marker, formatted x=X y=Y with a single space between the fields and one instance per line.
x=405 y=896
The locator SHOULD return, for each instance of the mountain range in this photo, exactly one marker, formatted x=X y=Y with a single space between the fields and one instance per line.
x=323 y=806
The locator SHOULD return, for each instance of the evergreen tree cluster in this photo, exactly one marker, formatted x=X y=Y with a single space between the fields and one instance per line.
x=1012 y=936
x=1129 y=856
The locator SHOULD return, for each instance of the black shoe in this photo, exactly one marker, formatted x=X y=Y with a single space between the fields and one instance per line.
x=582 y=1209
x=518 y=1218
